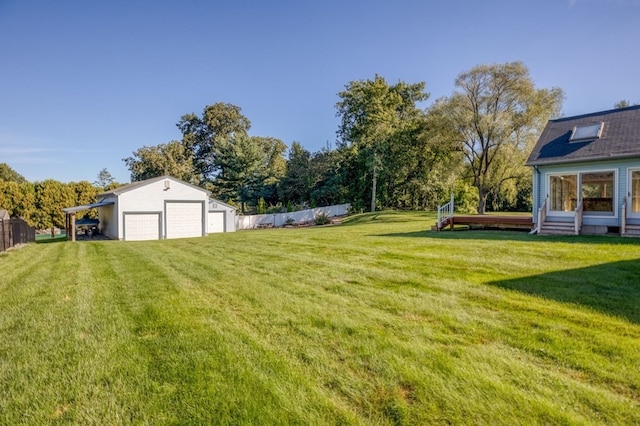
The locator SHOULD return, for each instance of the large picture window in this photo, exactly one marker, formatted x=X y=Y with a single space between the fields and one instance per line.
x=597 y=192
x=564 y=193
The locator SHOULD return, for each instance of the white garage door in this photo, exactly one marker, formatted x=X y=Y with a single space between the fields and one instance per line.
x=216 y=222
x=184 y=220
x=141 y=226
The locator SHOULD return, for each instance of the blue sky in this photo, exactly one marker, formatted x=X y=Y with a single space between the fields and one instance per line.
x=84 y=84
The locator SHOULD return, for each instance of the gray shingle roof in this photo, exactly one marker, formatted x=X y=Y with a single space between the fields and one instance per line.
x=620 y=138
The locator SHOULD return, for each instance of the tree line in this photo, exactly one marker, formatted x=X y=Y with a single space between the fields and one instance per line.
x=391 y=151
x=40 y=203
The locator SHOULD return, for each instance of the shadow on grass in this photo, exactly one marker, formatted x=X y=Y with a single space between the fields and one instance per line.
x=610 y=288
x=49 y=240
x=504 y=235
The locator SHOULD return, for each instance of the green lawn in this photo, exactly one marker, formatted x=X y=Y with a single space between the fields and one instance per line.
x=376 y=321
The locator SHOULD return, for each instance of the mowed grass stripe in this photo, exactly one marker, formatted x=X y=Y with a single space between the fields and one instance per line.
x=377 y=322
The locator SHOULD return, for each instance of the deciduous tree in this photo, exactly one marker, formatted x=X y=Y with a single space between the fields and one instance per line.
x=494 y=117
x=373 y=117
x=8 y=174
x=200 y=135
x=171 y=159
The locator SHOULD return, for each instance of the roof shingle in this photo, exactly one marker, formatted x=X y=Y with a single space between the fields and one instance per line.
x=620 y=138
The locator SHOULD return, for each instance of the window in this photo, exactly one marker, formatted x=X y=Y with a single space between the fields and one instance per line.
x=596 y=190
x=564 y=193
x=635 y=191
x=587 y=132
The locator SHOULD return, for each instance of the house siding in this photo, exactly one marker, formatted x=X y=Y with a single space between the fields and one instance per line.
x=621 y=169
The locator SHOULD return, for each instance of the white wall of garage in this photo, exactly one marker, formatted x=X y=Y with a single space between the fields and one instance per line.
x=181 y=209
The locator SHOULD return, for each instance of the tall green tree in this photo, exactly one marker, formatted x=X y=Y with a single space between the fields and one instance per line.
x=296 y=183
x=374 y=117
x=242 y=166
x=51 y=197
x=494 y=116
x=84 y=193
x=10 y=175
x=327 y=178
x=275 y=165
x=172 y=159
x=200 y=135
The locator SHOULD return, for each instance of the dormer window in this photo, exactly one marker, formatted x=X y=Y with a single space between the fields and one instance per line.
x=586 y=132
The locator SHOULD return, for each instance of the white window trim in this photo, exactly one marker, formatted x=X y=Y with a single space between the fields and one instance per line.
x=558 y=212
x=614 y=192
x=579 y=192
x=630 y=170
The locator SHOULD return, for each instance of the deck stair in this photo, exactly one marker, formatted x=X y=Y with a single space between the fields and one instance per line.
x=557 y=228
x=631 y=231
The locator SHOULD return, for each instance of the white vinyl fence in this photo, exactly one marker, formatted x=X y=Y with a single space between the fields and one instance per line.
x=280 y=219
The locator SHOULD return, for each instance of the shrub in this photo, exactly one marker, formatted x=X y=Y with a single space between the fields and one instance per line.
x=322 y=218
x=289 y=220
x=262 y=206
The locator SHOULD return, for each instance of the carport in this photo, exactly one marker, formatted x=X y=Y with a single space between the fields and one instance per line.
x=70 y=216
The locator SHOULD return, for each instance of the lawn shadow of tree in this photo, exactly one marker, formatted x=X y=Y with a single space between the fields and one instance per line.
x=610 y=288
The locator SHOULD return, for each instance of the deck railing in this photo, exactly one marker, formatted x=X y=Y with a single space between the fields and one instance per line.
x=445 y=211
x=542 y=215
x=578 y=218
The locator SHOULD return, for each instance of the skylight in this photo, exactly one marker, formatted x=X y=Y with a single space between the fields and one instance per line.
x=586 y=132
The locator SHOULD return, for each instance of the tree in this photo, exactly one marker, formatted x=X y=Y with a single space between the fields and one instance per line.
x=171 y=159
x=51 y=197
x=623 y=104
x=105 y=180
x=296 y=183
x=219 y=122
x=495 y=116
x=327 y=178
x=242 y=166
x=84 y=193
x=10 y=175
x=275 y=165
x=373 y=117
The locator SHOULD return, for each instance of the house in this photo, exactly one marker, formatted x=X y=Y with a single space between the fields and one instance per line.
x=157 y=208
x=586 y=174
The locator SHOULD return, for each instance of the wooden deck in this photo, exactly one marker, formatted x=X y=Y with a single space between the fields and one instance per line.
x=488 y=221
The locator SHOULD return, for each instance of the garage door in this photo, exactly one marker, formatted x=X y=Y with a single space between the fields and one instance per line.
x=216 y=222
x=184 y=220
x=141 y=226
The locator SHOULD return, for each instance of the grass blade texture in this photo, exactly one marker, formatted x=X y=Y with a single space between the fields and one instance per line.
x=375 y=321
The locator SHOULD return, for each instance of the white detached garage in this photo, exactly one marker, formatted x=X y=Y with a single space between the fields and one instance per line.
x=157 y=208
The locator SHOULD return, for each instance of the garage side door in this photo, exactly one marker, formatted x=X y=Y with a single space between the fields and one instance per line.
x=216 y=222
x=141 y=226
x=184 y=220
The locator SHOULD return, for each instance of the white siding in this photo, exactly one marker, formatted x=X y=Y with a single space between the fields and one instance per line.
x=153 y=196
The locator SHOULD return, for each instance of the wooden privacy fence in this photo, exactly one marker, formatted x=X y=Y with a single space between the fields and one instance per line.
x=14 y=232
